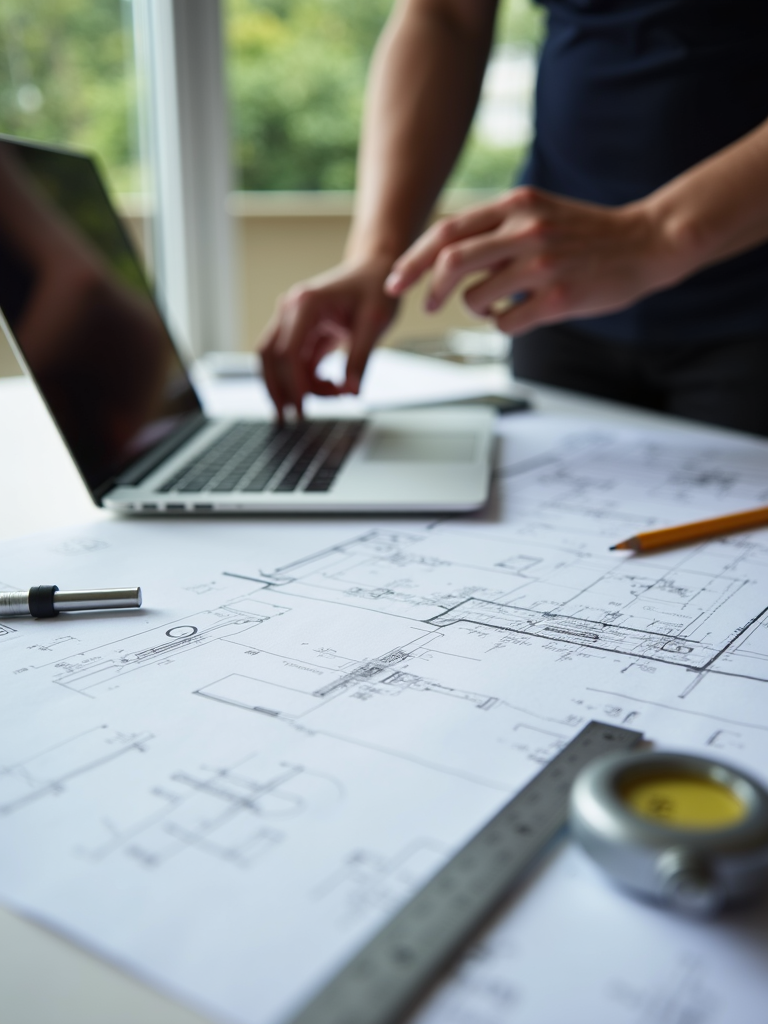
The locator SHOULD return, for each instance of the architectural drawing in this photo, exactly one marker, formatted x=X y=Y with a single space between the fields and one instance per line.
x=305 y=719
x=232 y=813
x=50 y=771
x=371 y=883
x=87 y=670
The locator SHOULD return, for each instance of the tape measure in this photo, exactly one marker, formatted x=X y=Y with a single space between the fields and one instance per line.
x=384 y=981
x=682 y=830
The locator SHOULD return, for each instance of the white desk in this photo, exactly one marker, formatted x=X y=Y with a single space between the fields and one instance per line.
x=44 y=979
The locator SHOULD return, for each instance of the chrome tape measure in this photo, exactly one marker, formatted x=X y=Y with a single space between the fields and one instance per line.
x=405 y=958
x=680 y=829
x=647 y=818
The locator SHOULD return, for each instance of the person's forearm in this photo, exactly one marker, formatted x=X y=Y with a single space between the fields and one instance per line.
x=716 y=209
x=423 y=88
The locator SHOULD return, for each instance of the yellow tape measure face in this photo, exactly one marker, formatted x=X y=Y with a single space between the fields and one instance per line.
x=683 y=801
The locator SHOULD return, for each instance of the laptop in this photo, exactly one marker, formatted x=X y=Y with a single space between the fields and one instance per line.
x=80 y=315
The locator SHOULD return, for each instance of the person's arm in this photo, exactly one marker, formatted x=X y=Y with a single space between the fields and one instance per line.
x=423 y=88
x=562 y=259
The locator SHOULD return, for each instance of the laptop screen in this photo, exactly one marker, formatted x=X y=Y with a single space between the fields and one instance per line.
x=82 y=313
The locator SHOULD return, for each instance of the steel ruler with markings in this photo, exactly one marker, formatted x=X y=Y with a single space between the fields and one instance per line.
x=410 y=953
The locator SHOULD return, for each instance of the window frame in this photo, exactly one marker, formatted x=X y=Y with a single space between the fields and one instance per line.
x=184 y=132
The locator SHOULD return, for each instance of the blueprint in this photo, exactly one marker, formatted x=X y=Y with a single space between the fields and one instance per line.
x=228 y=790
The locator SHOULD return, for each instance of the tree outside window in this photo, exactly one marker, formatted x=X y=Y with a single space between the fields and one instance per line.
x=67 y=77
x=296 y=77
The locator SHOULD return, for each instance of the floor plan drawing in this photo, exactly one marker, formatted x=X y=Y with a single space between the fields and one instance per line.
x=369 y=882
x=50 y=771
x=87 y=670
x=306 y=719
x=231 y=813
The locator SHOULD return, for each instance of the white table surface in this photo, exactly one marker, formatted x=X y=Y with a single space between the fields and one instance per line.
x=43 y=978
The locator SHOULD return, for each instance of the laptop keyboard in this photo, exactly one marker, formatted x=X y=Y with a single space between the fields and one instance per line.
x=251 y=457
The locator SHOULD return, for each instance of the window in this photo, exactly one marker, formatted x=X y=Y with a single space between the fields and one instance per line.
x=68 y=77
x=296 y=72
x=296 y=77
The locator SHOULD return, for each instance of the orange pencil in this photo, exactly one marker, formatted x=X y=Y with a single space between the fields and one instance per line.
x=694 y=531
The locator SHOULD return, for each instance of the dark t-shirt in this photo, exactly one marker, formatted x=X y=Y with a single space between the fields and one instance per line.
x=632 y=92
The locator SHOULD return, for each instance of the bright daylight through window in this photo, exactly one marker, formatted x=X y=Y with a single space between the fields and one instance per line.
x=296 y=75
x=295 y=79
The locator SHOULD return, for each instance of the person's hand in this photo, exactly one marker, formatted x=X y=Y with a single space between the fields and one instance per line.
x=544 y=258
x=344 y=307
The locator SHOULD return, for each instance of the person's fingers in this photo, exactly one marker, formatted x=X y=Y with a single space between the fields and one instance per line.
x=537 y=309
x=496 y=293
x=326 y=387
x=327 y=337
x=409 y=267
x=455 y=262
x=344 y=307
x=269 y=366
x=370 y=322
x=273 y=387
x=477 y=220
x=300 y=316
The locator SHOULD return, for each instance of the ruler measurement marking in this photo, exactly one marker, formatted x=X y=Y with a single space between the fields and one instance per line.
x=385 y=980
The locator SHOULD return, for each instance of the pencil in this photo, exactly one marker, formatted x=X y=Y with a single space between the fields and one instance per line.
x=694 y=531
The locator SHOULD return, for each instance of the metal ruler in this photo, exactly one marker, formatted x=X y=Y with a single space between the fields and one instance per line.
x=385 y=980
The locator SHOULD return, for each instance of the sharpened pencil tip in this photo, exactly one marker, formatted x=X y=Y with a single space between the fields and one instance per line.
x=624 y=545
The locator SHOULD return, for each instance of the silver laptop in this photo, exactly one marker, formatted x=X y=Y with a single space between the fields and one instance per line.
x=80 y=315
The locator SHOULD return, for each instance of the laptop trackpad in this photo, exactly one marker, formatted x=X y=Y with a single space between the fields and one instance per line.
x=388 y=445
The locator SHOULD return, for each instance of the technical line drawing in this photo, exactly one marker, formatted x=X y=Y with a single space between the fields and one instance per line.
x=746 y=657
x=79 y=546
x=51 y=644
x=49 y=772
x=6 y=632
x=237 y=814
x=374 y=677
x=370 y=680
x=88 y=669
x=683 y=996
x=369 y=882
x=726 y=739
x=662 y=612
x=365 y=706
x=656 y=646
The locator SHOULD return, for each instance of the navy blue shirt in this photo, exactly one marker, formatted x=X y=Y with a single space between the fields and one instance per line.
x=631 y=93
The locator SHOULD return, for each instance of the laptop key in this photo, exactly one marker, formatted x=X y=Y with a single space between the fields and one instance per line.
x=253 y=457
x=249 y=439
x=285 y=443
x=307 y=456
x=323 y=478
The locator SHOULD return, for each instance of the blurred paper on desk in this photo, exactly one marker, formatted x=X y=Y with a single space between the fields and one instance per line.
x=392 y=379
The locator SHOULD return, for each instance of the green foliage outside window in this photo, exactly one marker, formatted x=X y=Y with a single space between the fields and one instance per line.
x=296 y=74
x=66 y=77
x=482 y=165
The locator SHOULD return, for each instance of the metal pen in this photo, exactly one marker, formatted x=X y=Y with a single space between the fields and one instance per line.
x=45 y=602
